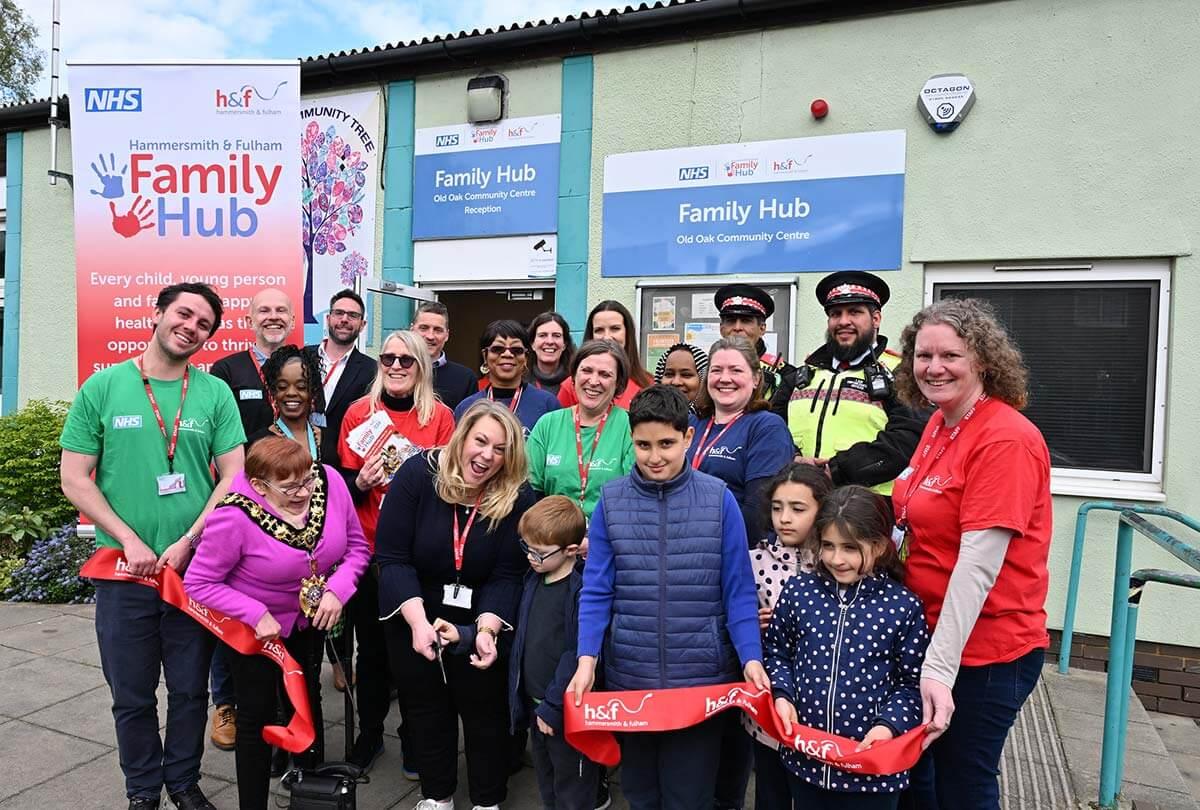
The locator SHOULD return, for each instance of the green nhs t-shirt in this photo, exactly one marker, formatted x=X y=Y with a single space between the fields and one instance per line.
x=111 y=418
x=554 y=456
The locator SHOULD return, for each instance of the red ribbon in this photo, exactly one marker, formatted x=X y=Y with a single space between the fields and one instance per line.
x=298 y=735
x=590 y=726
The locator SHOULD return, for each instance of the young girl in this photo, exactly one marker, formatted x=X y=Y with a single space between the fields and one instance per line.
x=792 y=498
x=844 y=650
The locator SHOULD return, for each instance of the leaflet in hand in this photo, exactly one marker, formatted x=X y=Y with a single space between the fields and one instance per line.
x=378 y=434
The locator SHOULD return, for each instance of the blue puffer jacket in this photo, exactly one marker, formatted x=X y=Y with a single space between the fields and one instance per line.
x=667 y=575
x=847 y=662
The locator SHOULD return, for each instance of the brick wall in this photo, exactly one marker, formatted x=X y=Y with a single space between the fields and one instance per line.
x=1166 y=677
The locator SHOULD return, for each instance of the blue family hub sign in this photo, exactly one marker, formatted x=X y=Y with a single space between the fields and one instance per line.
x=817 y=204
x=487 y=180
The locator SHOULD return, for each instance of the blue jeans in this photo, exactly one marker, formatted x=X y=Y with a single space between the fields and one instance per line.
x=140 y=635
x=220 y=677
x=962 y=767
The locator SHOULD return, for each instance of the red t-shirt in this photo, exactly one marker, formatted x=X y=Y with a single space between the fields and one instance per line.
x=996 y=474
x=434 y=434
x=567 y=398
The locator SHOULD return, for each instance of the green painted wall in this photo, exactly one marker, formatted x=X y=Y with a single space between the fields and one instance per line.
x=14 y=171
x=1080 y=145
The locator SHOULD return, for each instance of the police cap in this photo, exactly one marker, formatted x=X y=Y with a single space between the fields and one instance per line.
x=744 y=299
x=852 y=287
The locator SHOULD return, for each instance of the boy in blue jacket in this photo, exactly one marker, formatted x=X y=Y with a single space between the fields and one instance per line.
x=543 y=653
x=669 y=595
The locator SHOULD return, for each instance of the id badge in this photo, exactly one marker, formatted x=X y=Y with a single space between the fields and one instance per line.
x=456 y=595
x=898 y=536
x=904 y=475
x=171 y=484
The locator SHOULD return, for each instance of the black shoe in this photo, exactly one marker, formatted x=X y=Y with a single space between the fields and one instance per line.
x=365 y=751
x=280 y=760
x=603 y=798
x=191 y=799
x=142 y=803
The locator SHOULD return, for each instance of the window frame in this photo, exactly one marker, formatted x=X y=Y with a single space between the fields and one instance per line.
x=1069 y=481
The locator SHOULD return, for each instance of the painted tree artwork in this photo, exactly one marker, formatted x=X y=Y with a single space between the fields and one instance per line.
x=334 y=177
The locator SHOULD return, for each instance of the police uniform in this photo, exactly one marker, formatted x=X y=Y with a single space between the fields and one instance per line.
x=847 y=411
x=746 y=299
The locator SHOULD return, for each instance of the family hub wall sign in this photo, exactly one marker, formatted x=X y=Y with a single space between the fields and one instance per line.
x=183 y=172
x=496 y=179
x=819 y=204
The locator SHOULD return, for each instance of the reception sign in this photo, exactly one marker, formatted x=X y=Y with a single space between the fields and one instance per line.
x=183 y=172
x=487 y=180
x=820 y=204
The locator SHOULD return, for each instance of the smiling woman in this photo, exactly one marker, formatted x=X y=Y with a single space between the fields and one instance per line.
x=292 y=375
x=505 y=351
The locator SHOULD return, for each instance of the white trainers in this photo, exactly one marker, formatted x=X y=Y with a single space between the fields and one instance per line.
x=489 y=807
x=434 y=804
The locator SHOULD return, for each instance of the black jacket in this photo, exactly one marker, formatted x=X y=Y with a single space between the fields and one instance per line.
x=354 y=383
x=454 y=382
x=239 y=372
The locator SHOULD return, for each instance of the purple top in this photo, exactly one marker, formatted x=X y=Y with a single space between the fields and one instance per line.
x=245 y=573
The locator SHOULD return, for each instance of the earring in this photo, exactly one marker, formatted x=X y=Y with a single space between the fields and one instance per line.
x=483 y=368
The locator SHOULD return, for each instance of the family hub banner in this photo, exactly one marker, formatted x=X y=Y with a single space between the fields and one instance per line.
x=487 y=180
x=183 y=172
x=820 y=204
x=339 y=153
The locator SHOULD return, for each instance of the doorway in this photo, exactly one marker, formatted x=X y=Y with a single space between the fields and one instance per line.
x=472 y=310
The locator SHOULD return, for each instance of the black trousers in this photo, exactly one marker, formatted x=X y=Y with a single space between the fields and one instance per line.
x=566 y=779
x=258 y=684
x=373 y=688
x=672 y=770
x=432 y=708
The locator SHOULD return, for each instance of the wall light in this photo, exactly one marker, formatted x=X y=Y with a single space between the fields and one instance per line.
x=485 y=98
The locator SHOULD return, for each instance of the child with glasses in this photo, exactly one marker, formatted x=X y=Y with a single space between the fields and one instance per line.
x=543 y=653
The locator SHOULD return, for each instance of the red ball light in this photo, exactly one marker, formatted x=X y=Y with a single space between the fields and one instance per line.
x=820 y=108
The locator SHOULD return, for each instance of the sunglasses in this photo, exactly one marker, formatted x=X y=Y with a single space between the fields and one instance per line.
x=515 y=351
x=535 y=555
x=405 y=360
x=294 y=489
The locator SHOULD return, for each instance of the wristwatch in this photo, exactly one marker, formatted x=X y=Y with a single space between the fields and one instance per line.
x=481 y=629
x=193 y=540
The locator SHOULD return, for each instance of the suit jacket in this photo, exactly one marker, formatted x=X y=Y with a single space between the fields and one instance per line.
x=354 y=383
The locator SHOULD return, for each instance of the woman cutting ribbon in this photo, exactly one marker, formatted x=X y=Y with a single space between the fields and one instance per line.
x=292 y=379
x=282 y=552
x=504 y=349
x=447 y=548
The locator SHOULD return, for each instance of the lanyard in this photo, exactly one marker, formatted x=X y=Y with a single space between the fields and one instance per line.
x=701 y=450
x=258 y=367
x=918 y=473
x=173 y=441
x=460 y=540
x=312 y=439
x=332 y=368
x=512 y=403
x=586 y=469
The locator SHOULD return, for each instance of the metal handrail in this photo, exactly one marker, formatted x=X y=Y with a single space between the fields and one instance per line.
x=1123 y=630
x=1068 y=631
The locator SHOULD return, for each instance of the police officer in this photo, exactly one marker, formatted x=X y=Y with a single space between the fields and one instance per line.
x=841 y=405
x=744 y=311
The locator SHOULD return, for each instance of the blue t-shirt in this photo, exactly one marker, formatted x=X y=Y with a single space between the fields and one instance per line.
x=533 y=404
x=753 y=449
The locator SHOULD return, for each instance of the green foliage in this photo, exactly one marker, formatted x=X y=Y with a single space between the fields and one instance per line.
x=20 y=58
x=51 y=574
x=20 y=530
x=7 y=566
x=29 y=455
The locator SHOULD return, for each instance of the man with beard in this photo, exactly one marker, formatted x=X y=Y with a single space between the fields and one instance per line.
x=149 y=429
x=744 y=311
x=841 y=405
x=346 y=373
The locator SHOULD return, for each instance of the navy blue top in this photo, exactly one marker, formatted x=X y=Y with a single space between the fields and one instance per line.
x=755 y=447
x=534 y=403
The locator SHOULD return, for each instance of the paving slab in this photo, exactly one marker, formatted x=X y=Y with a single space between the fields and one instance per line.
x=42 y=682
x=13 y=614
x=55 y=754
x=11 y=656
x=88 y=653
x=88 y=715
x=51 y=635
x=1181 y=736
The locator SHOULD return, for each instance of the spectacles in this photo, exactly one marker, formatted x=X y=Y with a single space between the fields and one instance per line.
x=515 y=351
x=294 y=489
x=345 y=313
x=533 y=554
x=405 y=360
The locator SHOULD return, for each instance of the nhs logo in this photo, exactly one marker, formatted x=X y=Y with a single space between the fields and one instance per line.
x=693 y=173
x=127 y=422
x=445 y=140
x=112 y=99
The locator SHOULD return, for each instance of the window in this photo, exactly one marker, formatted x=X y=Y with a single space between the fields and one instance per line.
x=1093 y=336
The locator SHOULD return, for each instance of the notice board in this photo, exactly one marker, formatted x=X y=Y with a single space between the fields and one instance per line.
x=683 y=311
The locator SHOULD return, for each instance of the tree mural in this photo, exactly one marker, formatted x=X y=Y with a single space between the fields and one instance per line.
x=334 y=177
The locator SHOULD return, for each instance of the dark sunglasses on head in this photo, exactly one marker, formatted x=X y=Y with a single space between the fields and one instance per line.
x=515 y=351
x=535 y=555
x=405 y=360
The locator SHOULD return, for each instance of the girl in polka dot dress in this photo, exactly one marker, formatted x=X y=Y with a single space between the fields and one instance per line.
x=792 y=499
x=844 y=649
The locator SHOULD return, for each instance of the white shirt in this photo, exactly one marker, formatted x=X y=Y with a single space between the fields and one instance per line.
x=331 y=370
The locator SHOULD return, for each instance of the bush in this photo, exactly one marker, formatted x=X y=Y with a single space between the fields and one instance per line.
x=51 y=573
x=7 y=566
x=29 y=456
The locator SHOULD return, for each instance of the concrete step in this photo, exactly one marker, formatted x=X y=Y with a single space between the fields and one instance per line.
x=1152 y=780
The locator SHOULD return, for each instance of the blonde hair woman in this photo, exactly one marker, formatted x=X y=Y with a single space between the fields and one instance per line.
x=416 y=421
x=447 y=549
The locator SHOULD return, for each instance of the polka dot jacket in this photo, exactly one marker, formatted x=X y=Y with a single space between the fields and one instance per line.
x=773 y=564
x=847 y=661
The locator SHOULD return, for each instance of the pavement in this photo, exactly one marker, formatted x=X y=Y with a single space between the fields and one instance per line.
x=58 y=747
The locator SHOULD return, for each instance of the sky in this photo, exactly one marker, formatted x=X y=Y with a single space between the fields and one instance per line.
x=271 y=29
